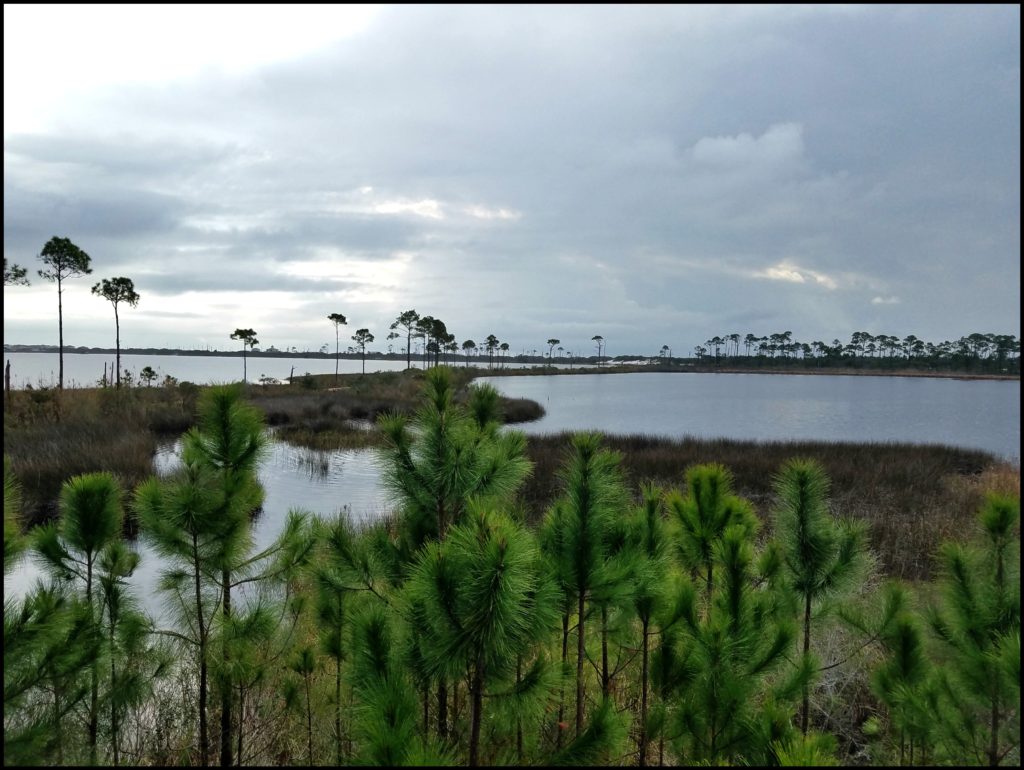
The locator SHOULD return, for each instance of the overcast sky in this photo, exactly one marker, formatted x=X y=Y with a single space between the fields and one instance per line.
x=656 y=175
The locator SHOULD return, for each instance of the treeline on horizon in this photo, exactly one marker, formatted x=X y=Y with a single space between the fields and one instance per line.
x=996 y=353
x=992 y=353
x=641 y=626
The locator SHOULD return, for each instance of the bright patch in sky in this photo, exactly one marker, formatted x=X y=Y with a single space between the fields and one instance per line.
x=780 y=144
x=105 y=45
x=427 y=207
x=787 y=271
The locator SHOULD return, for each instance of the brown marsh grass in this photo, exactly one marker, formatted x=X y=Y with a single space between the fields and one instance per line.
x=913 y=497
x=50 y=436
x=323 y=413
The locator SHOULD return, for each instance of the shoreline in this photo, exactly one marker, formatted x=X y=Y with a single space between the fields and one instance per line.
x=844 y=372
x=540 y=368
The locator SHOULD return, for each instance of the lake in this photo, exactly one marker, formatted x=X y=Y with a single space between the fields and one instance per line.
x=981 y=414
x=84 y=370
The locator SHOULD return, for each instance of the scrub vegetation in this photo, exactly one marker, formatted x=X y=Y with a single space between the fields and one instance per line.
x=577 y=600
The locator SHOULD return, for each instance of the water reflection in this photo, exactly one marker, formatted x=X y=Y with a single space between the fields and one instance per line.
x=979 y=414
x=338 y=483
x=317 y=465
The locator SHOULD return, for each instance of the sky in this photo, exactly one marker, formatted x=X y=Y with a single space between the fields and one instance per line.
x=656 y=175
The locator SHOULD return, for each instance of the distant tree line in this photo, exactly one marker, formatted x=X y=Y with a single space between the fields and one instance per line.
x=994 y=353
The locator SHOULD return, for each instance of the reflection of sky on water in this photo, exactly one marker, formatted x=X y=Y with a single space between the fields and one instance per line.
x=324 y=483
x=982 y=414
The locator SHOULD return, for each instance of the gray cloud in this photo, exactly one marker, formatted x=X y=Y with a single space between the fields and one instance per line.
x=660 y=174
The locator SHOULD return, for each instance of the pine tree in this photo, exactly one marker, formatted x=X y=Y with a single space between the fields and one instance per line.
x=135 y=661
x=486 y=603
x=553 y=542
x=594 y=494
x=654 y=592
x=14 y=543
x=977 y=625
x=49 y=643
x=260 y=636
x=732 y=707
x=90 y=519
x=701 y=518
x=180 y=517
x=385 y=720
x=228 y=442
x=440 y=460
x=903 y=680
x=331 y=595
x=822 y=558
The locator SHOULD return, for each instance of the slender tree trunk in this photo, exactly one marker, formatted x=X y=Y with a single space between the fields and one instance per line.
x=643 y=697
x=59 y=738
x=94 y=715
x=117 y=342
x=60 y=332
x=245 y=372
x=661 y=749
x=426 y=711
x=606 y=679
x=348 y=725
x=580 y=652
x=561 y=688
x=309 y=724
x=456 y=706
x=442 y=518
x=337 y=708
x=476 y=713
x=241 y=724
x=993 y=748
x=113 y=707
x=408 y=350
x=442 y=710
x=204 y=737
x=204 y=687
x=337 y=356
x=226 y=695
x=7 y=386
x=519 y=718
x=805 y=717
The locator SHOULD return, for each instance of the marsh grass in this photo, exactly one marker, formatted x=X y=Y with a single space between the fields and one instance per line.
x=913 y=497
x=51 y=436
x=328 y=414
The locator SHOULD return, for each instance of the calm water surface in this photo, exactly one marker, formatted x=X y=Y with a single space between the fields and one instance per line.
x=84 y=370
x=344 y=482
x=982 y=414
